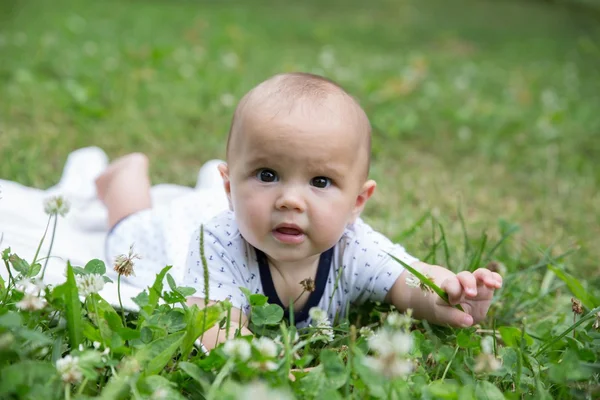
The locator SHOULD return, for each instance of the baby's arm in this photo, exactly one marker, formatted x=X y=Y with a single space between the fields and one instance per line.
x=473 y=291
x=215 y=335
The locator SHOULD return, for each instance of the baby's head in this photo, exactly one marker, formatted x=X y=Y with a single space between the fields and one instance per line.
x=298 y=157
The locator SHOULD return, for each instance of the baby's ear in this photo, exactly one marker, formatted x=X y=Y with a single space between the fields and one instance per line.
x=366 y=192
x=224 y=171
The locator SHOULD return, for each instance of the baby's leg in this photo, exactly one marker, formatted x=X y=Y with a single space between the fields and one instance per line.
x=124 y=187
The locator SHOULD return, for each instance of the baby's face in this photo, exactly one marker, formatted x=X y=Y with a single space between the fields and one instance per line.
x=296 y=180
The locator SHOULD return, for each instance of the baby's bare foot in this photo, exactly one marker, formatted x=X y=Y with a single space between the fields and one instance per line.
x=129 y=162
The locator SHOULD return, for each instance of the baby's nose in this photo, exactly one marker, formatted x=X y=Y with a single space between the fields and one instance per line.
x=291 y=199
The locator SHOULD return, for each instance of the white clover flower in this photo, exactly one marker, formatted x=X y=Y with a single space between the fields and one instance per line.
x=487 y=345
x=399 y=321
x=317 y=315
x=69 y=369
x=391 y=367
x=260 y=391
x=31 y=303
x=265 y=346
x=89 y=283
x=385 y=343
x=366 y=332
x=324 y=329
x=412 y=281
x=124 y=263
x=486 y=363
x=56 y=205
x=31 y=287
x=238 y=349
x=267 y=365
x=160 y=394
x=6 y=339
x=129 y=366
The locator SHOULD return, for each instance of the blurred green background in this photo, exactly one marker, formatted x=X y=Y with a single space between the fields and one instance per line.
x=493 y=106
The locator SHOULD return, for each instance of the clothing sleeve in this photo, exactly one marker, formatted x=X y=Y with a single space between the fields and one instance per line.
x=370 y=272
x=224 y=276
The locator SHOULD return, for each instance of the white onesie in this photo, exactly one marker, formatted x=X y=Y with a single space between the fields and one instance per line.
x=356 y=269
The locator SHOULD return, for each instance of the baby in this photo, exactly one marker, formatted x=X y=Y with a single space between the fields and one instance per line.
x=296 y=179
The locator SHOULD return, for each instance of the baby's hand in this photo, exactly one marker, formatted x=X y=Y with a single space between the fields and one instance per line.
x=473 y=291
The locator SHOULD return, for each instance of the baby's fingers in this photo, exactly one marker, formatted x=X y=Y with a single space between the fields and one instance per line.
x=489 y=278
x=454 y=317
x=458 y=286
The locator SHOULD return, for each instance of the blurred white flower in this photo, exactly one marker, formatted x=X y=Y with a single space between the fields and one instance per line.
x=230 y=60
x=69 y=369
x=396 y=320
x=461 y=82
x=327 y=58
x=96 y=345
x=160 y=394
x=266 y=365
x=596 y=324
x=260 y=391
x=317 y=315
x=31 y=287
x=366 y=332
x=31 y=303
x=227 y=99
x=391 y=350
x=396 y=343
x=89 y=283
x=487 y=344
x=550 y=100
x=391 y=367
x=324 y=329
x=464 y=133
x=57 y=205
x=266 y=347
x=320 y=321
x=486 y=363
x=238 y=349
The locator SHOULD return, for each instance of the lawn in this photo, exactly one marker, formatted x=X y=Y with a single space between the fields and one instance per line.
x=485 y=113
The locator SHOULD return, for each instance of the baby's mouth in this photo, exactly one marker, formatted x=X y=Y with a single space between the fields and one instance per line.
x=289 y=231
x=289 y=234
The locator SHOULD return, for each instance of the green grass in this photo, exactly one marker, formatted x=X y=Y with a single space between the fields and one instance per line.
x=485 y=115
x=487 y=106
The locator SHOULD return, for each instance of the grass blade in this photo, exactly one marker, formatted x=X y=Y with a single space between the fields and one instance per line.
x=68 y=291
x=411 y=230
x=426 y=281
x=583 y=319
x=445 y=243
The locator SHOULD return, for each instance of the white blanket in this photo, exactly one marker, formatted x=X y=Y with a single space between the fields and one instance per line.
x=80 y=235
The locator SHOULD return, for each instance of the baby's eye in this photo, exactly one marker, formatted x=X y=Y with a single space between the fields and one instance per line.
x=267 y=175
x=320 y=182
